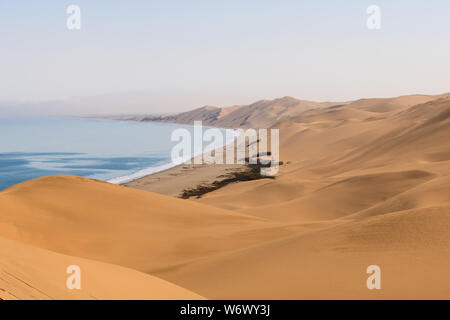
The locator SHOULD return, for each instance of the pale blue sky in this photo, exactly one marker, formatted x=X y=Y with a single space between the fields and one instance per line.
x=223 y=52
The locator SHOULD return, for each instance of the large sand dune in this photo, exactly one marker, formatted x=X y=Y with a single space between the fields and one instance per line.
x=101 y=221
x=410 y=247
x=260 y=114
x=266 y=113
x=366 y=187
x=31 y=273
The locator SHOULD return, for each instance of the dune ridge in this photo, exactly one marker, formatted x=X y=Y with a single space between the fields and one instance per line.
x=260 y=114
x=267 y=113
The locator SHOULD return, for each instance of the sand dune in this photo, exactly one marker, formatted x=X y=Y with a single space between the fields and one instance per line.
x=267 y=113
x=115 y=224
x=428 y=194
x=31 y=273
x=354 y=165
x=368 y=188
x=393 y=104
x=362 y=183
x=261 y=114
x=343 y=197
x=410 y=247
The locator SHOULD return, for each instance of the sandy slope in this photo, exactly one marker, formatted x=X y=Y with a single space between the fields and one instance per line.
x=354 y=165
x=120 y=225
x=410 y=247
x=27 y=272
x=383 y=105
x=369 y=188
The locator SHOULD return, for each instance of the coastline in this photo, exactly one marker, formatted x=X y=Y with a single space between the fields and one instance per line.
x=176 y=178
x=172 y=179
x=138 y=178
x=141 y=174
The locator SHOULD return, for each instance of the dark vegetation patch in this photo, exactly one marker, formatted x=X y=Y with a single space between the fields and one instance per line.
x=249 y=173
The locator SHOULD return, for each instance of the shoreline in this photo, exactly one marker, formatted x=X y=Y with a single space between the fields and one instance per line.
x=177 y=178
x=174 y=179
x=142 y=173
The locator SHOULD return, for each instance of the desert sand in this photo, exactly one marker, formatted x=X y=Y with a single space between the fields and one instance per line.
x=173 y=181
x=363 y=183
x=32 y=273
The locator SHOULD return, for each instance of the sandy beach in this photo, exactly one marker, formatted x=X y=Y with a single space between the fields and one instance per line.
x=175 y=180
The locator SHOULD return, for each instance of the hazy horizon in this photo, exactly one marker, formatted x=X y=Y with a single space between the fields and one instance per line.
x=159 y=57
x=126 y=104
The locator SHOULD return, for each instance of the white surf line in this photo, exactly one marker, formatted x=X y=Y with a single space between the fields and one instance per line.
x=151 y=170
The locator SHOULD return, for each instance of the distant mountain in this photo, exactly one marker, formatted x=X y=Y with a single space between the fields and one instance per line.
x=260 y=114
x=267 y=113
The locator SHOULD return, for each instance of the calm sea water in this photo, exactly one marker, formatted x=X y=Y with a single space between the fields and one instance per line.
x=115 y=151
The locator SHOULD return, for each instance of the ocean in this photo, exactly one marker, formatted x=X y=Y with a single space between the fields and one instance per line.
x=114 y=151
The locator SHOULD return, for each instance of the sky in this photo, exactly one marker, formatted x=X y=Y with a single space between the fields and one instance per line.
x=139 y=56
